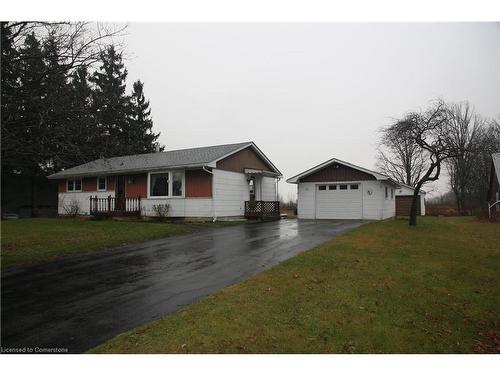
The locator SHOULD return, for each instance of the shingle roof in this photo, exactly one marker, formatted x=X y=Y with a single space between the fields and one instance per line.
x=496 y=164
x=190 y=157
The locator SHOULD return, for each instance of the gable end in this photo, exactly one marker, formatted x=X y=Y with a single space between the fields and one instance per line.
x=246 y=158
x=337 y=172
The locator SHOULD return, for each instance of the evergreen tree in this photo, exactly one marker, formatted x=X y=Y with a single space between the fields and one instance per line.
x=111 y=105
x=9 y=100
x=141 y=122
x=58 y=134
x=26 y=147
x=83 y=119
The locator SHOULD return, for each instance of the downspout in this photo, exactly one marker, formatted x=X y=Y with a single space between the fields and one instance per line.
x=277 y=192
x=214 y=216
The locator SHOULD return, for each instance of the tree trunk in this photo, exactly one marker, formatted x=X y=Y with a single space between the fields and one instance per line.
x=413 y=209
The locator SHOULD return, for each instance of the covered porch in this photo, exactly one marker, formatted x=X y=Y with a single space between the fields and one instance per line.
x=263 y=200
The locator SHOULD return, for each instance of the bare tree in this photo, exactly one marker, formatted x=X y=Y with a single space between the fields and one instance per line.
x=80 y=43
x=428 y=130
x=465 y=134
x=401 y=159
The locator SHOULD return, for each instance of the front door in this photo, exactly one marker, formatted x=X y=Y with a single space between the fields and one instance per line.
x=120 y=193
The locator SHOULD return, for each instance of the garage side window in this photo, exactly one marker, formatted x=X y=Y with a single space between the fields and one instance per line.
x=322 y=187
x=343 y=187
x=386 y=193
x=392 y=193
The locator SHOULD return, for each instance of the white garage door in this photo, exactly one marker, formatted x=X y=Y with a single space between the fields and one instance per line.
x=339 y=201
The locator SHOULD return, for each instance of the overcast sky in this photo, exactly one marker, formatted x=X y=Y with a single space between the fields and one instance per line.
x=305 y=93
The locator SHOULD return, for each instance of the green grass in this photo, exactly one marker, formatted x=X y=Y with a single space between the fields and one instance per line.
x=382 y=288
x=29 y=241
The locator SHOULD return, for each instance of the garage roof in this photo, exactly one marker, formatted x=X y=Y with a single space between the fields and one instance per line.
x=378 y=176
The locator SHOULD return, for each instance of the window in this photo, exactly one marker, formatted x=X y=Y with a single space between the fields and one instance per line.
x=343 y=187
x=101 y=184
x=354 y=187
x=166 y=184
x=332 y=187
x=177 y=177
x=158 y=185
x=386 y=193
x=322 y=187
x=392 y=193
x=74 y=185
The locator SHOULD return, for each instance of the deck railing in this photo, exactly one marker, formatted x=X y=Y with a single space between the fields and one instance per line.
x=115 y=206
x=262 y=209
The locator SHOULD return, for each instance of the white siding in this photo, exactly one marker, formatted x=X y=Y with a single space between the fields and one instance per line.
x=389 y=203
x=180 y=207
x=82 y=198
x=373 y=195
x=306 y=200
x=230 y=191
x=268 y=189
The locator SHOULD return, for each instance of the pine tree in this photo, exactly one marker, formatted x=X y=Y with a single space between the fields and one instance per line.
x=59 y=135
x=83 y=119
x=9 y=100
x=141 y=122
x=27 y=147
x=111 y=105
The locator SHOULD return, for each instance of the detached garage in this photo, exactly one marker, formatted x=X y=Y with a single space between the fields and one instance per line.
x=336 y=189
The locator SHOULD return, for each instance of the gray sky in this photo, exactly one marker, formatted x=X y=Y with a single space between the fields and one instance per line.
x=307 y=92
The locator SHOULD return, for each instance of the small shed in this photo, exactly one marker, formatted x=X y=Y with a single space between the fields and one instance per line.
x=404 y=197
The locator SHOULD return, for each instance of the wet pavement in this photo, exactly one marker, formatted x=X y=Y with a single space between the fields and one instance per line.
x=82 y=301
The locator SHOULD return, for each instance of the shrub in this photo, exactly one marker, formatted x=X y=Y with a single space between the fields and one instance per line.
x=161 y=211
x=72 y=208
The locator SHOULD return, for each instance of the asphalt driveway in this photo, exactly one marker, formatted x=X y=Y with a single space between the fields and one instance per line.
x=80 y=302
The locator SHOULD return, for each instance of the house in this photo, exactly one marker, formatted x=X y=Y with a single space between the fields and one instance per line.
x=494 y=187
x=404 y=197
x=206 y=182
x=336 y=189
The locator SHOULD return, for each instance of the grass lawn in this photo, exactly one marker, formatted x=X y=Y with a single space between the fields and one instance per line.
x=382 y=288
x=28 y=241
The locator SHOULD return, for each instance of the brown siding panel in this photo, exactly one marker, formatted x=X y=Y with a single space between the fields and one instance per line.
x=246 y=158
x=136 y=186
x=337 y=172
x=111 y=183
x=198 y=184
x=89 y=184
x=62 y=186
x=403 y=205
